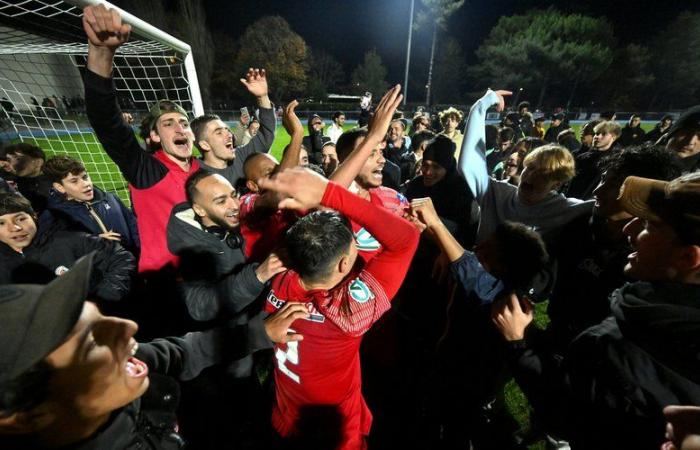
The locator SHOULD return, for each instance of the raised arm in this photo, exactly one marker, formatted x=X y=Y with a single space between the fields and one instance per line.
x=348 y=170
x=399 y=238
x=106 y=33
x=255 y=82
x=472 y=159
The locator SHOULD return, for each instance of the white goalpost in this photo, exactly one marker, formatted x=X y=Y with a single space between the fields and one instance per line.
x=43 y=50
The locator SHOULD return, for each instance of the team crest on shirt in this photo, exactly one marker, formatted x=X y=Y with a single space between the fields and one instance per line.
x=359 y=291
x=365 y=241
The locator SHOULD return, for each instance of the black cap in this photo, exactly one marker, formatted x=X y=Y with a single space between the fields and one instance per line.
x=689 y=119
x=442 y=151
x=36 y=319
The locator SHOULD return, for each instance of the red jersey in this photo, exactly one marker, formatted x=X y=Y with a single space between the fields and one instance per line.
x=324 y=368
x=261 y=234
x=387 y=198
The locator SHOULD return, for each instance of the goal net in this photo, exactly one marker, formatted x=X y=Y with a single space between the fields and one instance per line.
x=43 y=51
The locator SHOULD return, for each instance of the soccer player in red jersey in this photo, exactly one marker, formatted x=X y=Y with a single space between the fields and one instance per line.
x=322 y=372
x=362 y=154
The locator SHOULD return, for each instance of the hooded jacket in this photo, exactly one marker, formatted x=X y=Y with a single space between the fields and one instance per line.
x=111 y=211
x=617 y=376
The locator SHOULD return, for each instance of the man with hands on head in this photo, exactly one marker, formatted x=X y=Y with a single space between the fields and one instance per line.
x=157 y=180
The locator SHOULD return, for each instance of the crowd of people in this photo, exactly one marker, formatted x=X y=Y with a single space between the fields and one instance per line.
x=376 y=287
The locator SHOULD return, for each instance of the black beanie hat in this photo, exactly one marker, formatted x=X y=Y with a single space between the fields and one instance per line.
x=442 y=151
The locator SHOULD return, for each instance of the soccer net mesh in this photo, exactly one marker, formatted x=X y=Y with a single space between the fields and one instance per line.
x=43 y=51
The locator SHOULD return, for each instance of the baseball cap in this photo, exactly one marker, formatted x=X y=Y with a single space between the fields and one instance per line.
x=158 y=109
x=36 y=319
x=689 y=119
x=676 y=203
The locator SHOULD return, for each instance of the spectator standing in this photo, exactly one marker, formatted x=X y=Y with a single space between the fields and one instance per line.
x=587 y=171
x=632 y=133
x=336 y=128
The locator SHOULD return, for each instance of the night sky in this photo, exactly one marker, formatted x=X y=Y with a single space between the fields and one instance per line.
x=349 y=28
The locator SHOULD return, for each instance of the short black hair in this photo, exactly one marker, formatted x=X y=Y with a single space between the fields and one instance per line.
x=26 y=149
x=27 y=390
x=522 y=253
x=506 y=134
x=646 y=161
x=524 y=104
x=588 y=128
x=418 y=138
x=346 y=142
x=59 y=167
x=192 y=182
x=316 y=241
x=13 y=202
x=199 y=124
x=338 y=114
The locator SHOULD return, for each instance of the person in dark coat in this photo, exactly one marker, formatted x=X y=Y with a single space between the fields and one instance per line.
x=449 y=192
x=587 y=172
x=632 y=133
x=80 y=205
x=31 y=255
x=610 y=388
x=315 y=140
x=683 y=138
x=100 y=395
x=556 y=126
x=27 y=167
x=659 y=129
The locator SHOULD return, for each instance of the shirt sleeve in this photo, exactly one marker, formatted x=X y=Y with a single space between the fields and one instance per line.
x=472 y=158
x=139 y=168
x=398 y=237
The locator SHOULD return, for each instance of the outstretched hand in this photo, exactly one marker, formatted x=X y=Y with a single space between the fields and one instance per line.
x=104 y=27
x=256 y=82
x=511 y=316
x=384 y=112
x=277 y=325
x=501 y=100
x=290 y=121
x=303 y=187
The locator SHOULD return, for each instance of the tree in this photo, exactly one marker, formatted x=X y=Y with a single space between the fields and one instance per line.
x=450 y=73
x=326 y=74
x=676 y=63
x=370 y=75
x=435 y=15
x=544 y=49
x=271 y=43
x=626 y=84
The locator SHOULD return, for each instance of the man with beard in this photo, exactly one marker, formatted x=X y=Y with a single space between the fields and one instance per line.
x=440 y=181
x=219 y=285
x=361 y=162
x=609 y=389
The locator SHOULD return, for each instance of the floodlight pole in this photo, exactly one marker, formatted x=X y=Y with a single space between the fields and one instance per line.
x=408 y=54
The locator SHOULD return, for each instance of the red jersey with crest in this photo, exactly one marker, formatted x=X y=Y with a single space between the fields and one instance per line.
x=387 y=198
x=262 y=234
x=324 y=368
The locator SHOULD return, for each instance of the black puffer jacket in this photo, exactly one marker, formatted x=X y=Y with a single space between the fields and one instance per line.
x=52 y=252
